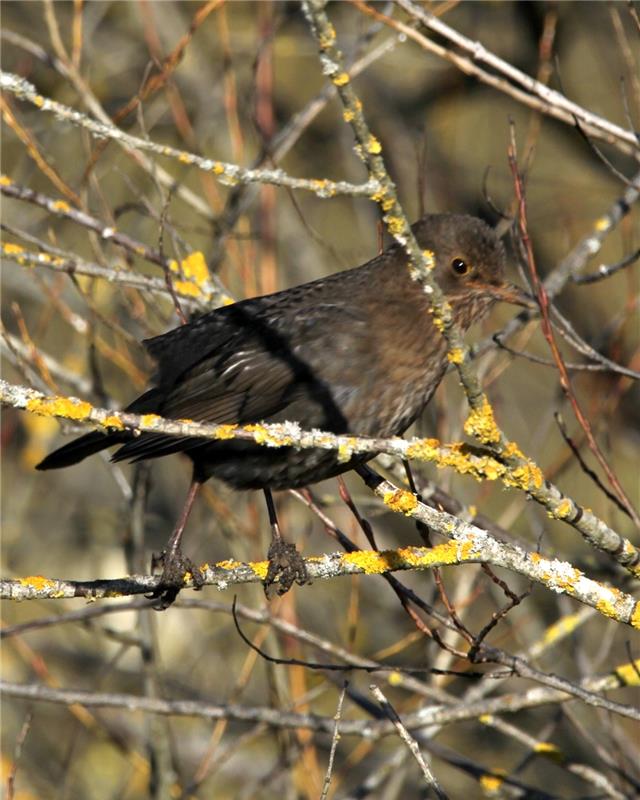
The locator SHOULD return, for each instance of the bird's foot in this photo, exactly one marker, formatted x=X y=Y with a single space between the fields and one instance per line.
x=286 y=567
x=176 y=570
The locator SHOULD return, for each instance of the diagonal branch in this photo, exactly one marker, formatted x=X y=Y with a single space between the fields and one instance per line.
x=229 y=174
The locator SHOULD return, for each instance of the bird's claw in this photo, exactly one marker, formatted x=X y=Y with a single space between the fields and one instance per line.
x=286 y=567
x=175 y=572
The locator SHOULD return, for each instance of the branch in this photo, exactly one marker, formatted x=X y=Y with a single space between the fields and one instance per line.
x=536 y=95
x=430 y=715
x=574 y=262
x=481 y=422
x=204 y=289
x=195 y=285
x=526 y=476
x=468 y=545
x=227 y=174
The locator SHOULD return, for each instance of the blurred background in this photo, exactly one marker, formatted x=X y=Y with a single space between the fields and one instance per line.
x=236 y=78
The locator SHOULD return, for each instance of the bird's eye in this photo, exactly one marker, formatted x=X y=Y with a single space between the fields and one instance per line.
x=460 y=267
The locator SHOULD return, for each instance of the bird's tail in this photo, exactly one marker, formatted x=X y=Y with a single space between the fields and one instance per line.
x=94 y=442
x=79 y=449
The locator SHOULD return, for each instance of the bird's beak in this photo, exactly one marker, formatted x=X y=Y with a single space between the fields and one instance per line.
x=510 y=293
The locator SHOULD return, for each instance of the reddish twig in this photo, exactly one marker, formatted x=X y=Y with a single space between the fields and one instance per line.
x=548 y=334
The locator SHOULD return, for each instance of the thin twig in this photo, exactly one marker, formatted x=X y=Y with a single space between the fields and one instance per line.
x=406 y=737
x=334 y=743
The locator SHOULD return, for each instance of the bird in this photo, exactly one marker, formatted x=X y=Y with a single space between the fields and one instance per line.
x=356 y=352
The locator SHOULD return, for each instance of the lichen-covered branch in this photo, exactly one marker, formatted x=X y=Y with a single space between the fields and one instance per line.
x=203 y=287
x=191 y=277
x=481 y=422
x=369 y=149
x=527 y=476
x=228 y=174
x=468 y=545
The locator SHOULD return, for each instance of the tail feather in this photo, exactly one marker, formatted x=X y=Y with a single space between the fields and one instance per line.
x=94 y=442
x=79 y=449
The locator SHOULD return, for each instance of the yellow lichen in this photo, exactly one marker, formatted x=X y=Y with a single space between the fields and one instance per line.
x=227 y=564
x=37 y=582
x=345 y=451
x=512 y=450
x=456 y=356
x=185 y=158
x=401 y=500
x=187 y=288
x=113 y=422
x=602 y=224
x=67 y=407
x=262 y=436
x=424 y=450
x=12 y=249
x=635 y=617
x=348 y=115
x=563 y=509
x=217 y=168
x=5 y=180
x=259 y=568
x=565 y=579
x=526 y=476
x=60 y=205
x=607 y=607
x=38 y=101
x=491 y=783
x=225 y=431
x=194 y=266
x=395 y=225
x=328 y=37
x=430 y=258
x=450 y=552
x=371 y=562
x=549 y=750
x=481 y=423
x=195 y=271
x=374 y=146
x=629 y=673
x=341 y=79
x=149 y=420
x=395 y=678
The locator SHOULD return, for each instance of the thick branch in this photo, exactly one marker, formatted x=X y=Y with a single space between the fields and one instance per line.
x=468 y=545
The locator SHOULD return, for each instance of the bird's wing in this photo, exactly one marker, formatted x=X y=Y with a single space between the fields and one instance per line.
x=247 y=385
x=249 y=363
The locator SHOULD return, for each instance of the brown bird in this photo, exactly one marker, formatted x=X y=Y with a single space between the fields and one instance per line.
x=356 y=352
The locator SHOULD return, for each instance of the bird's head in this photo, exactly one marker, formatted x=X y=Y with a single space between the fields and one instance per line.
x=470 y=263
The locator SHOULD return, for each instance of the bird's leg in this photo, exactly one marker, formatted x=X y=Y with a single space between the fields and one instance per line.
x=286 y=565
x=174 y=564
